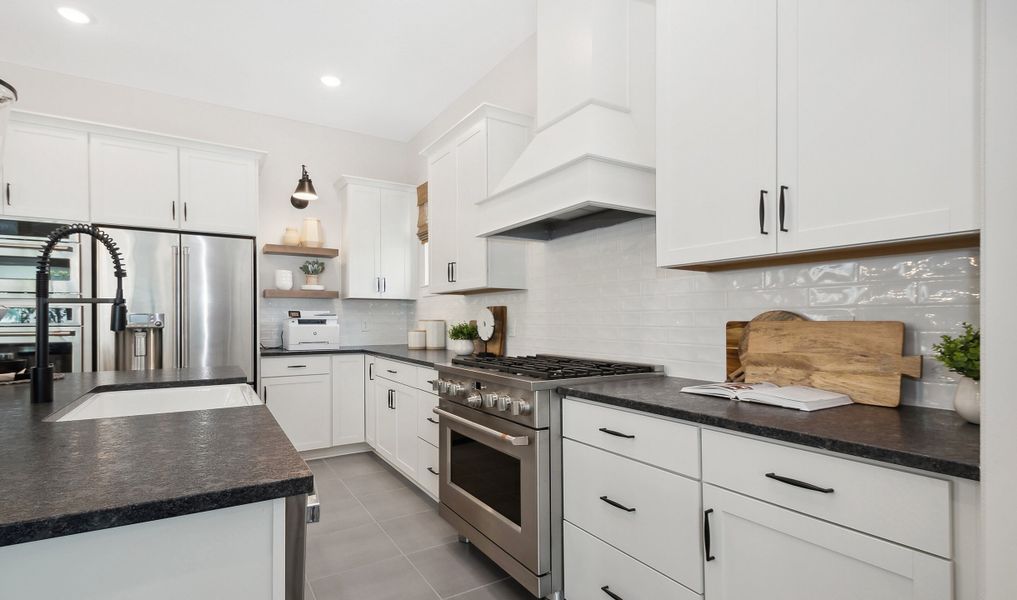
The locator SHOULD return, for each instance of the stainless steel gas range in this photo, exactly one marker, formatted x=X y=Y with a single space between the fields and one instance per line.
x=500 y=456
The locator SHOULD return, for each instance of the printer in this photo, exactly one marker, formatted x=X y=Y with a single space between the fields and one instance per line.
x=311 y=330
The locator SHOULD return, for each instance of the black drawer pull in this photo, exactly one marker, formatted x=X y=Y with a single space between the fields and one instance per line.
x=433 y=472
x=616 y=433
x=783 y=189
x=801 y=484
x=616 y=504
x=607 y=590
x=706 y=534
x=296 y=366
x=391 y=371
x=430 y=420
x=762 y=213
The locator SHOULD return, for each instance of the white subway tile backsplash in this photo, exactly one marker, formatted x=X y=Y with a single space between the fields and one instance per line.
x=599 y=294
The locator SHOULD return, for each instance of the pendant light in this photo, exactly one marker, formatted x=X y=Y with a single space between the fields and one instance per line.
x=305 y=190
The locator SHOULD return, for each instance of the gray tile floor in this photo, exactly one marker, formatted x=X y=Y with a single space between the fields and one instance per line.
x=381 y=538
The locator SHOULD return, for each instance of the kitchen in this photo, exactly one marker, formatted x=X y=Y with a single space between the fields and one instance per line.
x=557 y=214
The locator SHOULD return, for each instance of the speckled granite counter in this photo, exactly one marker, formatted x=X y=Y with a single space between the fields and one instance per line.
x=64 y=478
x=922 y=438
x=424 y=358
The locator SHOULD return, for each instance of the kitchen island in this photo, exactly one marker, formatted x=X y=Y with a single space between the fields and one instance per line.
x=136 y=506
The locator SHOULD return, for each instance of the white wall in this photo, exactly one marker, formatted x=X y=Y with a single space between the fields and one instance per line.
x=999 y=416
x=327 y=152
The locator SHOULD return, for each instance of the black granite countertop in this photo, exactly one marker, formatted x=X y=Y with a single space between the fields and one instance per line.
x=64 y=478
x=424 y=358
x=929 y=439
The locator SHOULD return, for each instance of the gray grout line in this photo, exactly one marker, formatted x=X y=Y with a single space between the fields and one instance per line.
x=480 y=587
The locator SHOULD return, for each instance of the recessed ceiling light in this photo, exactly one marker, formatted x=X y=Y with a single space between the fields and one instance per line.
x=74 y=15
x=331 y=80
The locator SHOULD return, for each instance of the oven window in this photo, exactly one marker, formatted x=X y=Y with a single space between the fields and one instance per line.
x=15 y=356
x=23 y=268
x=488 y=475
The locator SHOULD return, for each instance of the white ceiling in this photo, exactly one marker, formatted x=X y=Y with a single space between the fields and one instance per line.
x=401 y=61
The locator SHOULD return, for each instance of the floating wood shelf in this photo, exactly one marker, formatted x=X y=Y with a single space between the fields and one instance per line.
x=320 y=294
x=300 y=251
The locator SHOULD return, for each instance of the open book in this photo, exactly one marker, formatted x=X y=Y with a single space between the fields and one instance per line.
x=797 y=397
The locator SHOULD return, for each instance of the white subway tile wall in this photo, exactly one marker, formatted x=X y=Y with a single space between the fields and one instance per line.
x=599 y=294
x=387 y=320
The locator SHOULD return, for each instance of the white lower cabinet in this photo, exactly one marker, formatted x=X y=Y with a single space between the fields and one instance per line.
x=406 y=418
x=302 y=404
x=643 y=511
x=370 y=407
x=759 y=551
x=427 y=467
x=348 y=404
x=596 y=571
x=386 y=421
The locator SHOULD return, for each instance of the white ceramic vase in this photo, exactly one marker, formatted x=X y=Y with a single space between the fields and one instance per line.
x=291 y=237
x=967 y=400
x=283 y=279
x=461 y=347
x=310 y=236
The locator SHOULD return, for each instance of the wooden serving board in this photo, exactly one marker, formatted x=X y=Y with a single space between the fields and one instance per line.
x=735 y=335
x=859 y=358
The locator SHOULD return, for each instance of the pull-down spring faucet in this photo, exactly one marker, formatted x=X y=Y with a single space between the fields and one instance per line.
x=42 y=372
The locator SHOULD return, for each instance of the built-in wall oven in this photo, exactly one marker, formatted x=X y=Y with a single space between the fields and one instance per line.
x=20 y=243
x=17 y=335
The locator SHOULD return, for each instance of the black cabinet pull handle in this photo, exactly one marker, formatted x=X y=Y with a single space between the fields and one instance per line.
x=706 y=533
x=783 y=188
x=264 y=392
x=762 y=213
x=449 y=268
x=433 y=472
x=296 y=366
x=8 y=194
x=616 y=433
x=173 y=209
x=616 y=504
x=370 y=371
x=607 y=590
x=430 y=420
x=391 y=371
x=185 y=211
x=797 y=483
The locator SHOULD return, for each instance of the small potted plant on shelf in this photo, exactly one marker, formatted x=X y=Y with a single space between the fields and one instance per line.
x=462 y=336
x=962 y=355
x=312 y=269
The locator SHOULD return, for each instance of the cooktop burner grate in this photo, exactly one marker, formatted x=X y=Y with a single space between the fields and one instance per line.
x=544 y=366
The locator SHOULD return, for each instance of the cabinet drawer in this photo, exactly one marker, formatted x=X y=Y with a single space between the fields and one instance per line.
x=427 y=466
x=903 y=507
x=591 y=566
x=295 y=365
x=396 y=371
x=424 y=378
x=650 y=514
x=427 y=421
x=666 y=444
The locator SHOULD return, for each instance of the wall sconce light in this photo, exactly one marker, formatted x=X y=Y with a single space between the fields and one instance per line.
x=305 y=190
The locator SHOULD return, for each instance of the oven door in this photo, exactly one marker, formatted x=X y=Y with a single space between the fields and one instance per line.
x=18 y=343
x=494 y=475
x=19 y=258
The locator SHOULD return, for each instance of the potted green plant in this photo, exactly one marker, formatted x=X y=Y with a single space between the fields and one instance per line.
x=962 y=355
x=312 y=269
x=462 y=336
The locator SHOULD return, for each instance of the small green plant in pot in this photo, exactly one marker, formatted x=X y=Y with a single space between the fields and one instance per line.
x=962 y=355
x=312 y=269
x=462 y=336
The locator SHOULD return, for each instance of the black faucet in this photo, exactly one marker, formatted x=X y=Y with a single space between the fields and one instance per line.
x=42 y=372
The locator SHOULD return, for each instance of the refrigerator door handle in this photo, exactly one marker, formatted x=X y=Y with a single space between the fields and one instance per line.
x=185 y=313
x=176 y=302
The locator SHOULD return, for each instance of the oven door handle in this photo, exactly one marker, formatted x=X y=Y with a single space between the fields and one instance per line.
x=34 y=247
x=52 y=333
x=515 y=440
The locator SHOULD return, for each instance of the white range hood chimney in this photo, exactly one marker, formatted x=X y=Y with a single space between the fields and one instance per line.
x=591 y=162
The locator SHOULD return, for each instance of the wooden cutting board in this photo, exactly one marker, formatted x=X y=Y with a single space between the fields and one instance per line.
x=735 y=334
x=859 y=358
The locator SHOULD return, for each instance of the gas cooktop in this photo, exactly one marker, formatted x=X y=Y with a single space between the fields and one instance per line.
x=550 y=367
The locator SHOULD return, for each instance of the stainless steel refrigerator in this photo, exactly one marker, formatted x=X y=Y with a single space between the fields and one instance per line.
x=203 y=283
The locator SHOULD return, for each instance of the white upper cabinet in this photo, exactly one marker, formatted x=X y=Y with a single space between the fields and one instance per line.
x=464 y=167
x=218 y=192
x=134 y=182
x=716 y=136
x=45 y=172
x=818 y=124
x=379 y=242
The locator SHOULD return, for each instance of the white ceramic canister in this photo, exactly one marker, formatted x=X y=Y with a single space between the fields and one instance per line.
x=416 y=339
x=283 y=279
x=434 y=332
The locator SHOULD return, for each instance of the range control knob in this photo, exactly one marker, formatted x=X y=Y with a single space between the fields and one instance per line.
x=504 y=402
x=474 y=400
x=521 y=407
x=443 y=386
x=456 y=389
x=490 y=399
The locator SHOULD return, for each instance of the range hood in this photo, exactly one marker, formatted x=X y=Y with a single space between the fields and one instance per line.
x=591 y=162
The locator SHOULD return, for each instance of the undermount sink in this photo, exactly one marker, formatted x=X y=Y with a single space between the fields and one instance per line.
x=126 y=403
